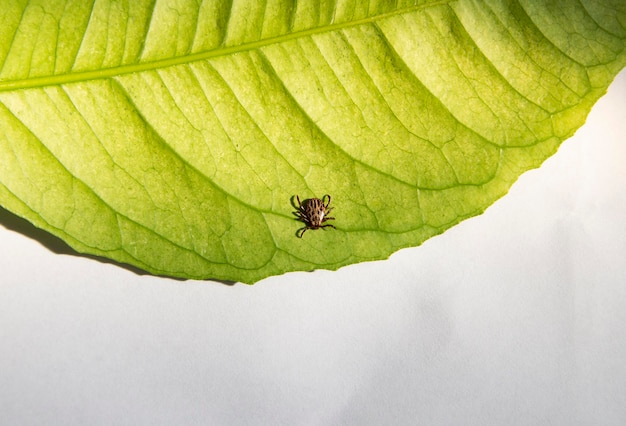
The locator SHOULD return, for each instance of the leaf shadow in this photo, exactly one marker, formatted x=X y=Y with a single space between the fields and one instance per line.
x=56 y=245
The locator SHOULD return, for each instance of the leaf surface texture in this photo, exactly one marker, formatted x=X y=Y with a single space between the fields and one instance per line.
x=173 y=135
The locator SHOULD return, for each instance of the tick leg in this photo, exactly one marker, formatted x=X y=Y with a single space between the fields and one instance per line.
x=327 y=225
x=300 y=234
x=299 y=203
x=328 y=218
x=323 y=198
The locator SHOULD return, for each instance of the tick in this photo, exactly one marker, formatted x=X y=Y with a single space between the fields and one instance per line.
x=313 y=212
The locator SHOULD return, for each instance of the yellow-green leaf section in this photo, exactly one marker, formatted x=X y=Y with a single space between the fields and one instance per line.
x=172 y=135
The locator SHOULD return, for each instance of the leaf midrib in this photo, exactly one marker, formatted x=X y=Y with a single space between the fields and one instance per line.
x=103 y=73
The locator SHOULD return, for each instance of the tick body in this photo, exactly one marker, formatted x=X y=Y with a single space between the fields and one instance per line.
x=313 y=212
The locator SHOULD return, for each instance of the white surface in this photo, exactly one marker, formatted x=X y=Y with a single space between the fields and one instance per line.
x=515 y=317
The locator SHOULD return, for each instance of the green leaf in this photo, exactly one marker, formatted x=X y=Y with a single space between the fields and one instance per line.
x=173 y=136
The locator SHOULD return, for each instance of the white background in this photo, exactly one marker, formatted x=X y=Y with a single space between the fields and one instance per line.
x=515 y=317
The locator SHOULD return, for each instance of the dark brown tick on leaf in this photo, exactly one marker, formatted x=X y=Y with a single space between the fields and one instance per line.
x=313 y=212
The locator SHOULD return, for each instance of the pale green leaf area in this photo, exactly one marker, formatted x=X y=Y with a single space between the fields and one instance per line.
x=173 y=135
